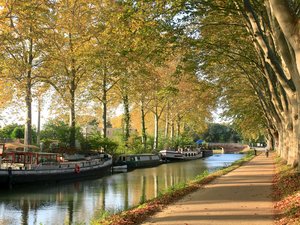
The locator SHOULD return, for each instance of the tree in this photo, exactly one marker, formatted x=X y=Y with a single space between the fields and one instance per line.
x=106 y=55
x=140 y=89
x=17 y=133
x=58 y=131
x=95 y=141
x=230 y=61
x=220 y=133
x=68 y=43
x=7 y=130
x=273 y=59
x=23 y=27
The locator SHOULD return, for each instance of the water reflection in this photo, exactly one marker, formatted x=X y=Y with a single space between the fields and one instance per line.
x=79 y=202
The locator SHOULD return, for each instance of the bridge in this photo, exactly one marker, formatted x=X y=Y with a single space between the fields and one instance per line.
x=230 y=147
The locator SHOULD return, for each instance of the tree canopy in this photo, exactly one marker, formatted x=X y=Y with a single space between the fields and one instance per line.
x=169 y=64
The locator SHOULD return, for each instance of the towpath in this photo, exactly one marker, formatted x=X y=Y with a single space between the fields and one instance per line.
x=243 y=196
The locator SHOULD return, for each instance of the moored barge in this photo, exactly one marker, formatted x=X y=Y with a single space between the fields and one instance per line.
x=20 y=167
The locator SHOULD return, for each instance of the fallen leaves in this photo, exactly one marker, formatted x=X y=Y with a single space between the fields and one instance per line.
x=286 y=193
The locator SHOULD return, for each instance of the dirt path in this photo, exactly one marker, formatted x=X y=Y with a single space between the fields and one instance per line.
x=243 y=196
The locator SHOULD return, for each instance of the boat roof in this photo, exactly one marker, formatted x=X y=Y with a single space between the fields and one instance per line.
x=142 y=154
x=30 y=153
x=17 y=145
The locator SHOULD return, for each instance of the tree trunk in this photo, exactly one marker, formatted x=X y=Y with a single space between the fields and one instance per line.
x=156 y=118
x=289 y=24
x=144 y=134
x=277 y=38
x=178 y=126
x=167 y=123
x=38 y=131
x=28 y=98
x=167 y=127
x=172 y=135
x=28 y=127
x=104 y=105
x=72 y=120
x=126 y=118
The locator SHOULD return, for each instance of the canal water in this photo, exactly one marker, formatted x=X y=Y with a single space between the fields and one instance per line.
x=80 y=202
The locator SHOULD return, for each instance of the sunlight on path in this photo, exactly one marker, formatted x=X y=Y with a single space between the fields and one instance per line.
x=243 y=196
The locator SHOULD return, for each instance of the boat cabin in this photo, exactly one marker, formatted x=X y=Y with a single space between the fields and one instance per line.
x=29 y=157
x=15 y=156
x=137 y=157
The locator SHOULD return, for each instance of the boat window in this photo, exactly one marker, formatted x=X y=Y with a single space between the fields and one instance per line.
x=8 y=158
x=27 y=159
x=19 y=159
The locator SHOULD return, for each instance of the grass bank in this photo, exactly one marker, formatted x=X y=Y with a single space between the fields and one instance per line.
x=140 y=213
x=286 y=194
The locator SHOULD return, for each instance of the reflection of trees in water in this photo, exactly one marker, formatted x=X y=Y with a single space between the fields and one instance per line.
x=39 y=197
x=70 y=211
x=103 y=192
x=32 y=198
x=126 y=194
x=100 y=207
x=25 y=212
x=126 y=190
x=143 y=195
x=81 y=200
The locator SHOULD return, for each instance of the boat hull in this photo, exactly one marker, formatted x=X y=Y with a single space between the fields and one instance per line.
x=207 y=153
x=57 y=173
x=144 y=164
x=138 y=161
x=119 y=169
x=176 y=156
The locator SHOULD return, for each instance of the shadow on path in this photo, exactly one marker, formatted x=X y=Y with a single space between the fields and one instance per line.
x=242 y=196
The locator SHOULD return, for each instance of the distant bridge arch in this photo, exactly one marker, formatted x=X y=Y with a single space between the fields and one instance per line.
x=230 y=147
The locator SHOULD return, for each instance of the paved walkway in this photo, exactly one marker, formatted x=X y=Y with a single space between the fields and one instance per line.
x=240 y=197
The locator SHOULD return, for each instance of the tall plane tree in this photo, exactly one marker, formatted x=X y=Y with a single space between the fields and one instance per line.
x=68 y=43
x=273 y=32
x=23 y=26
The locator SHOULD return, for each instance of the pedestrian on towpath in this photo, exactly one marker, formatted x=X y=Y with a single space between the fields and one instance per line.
x=267 y=152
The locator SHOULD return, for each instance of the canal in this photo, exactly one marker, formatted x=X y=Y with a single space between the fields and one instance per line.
x=79 y=202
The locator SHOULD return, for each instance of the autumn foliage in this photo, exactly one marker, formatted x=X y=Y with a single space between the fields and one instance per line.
x=286 y=193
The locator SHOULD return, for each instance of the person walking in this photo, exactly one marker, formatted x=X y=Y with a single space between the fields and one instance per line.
x=267 y=152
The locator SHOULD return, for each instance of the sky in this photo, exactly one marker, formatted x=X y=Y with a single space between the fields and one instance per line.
x=16 y=114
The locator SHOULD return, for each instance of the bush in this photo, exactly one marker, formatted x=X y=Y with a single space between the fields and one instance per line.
x=17 y=133
x=58 y=133
x=96 y=142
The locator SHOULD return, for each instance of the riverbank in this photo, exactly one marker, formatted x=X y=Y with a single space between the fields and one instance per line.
x=286 y=193
x=142 y=212
x=241 y=197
